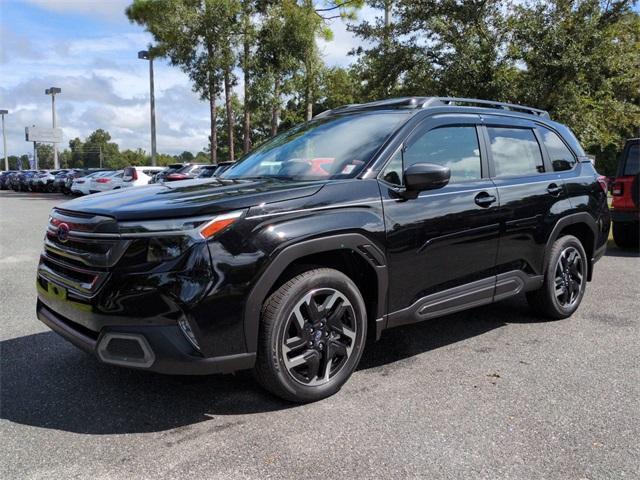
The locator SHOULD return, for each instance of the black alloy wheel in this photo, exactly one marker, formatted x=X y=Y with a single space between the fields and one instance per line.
x=312 y=335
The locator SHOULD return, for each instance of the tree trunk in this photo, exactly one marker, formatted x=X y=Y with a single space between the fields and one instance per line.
x=229 y=107
x=246 y=123
x=214 y=133
x=308 y=95
x=387 y=12
x=275 y=109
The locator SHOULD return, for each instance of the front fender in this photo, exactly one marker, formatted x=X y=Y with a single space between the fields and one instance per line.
x=343 y=215
x=354 y=242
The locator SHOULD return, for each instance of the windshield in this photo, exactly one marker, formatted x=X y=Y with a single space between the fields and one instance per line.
x=325 y=148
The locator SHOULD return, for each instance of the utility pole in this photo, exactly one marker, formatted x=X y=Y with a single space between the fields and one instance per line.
x=147 y=55
x=35 y=155
x=53 y=91
x=4 y=140
x=100 y=155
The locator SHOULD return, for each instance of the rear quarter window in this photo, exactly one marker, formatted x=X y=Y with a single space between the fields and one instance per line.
x=560 y=156
x=632 y=161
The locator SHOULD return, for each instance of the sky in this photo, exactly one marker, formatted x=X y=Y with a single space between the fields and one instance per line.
x=89 y=48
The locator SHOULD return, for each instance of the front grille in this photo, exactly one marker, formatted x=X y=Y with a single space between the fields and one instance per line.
x=79 y=251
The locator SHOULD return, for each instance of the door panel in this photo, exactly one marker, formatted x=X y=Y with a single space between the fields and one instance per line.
x=531 y=194
x=446 y=237
x=439 y=240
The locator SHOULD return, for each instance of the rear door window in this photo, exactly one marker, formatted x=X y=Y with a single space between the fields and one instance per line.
x=561 y=157
x=515 y=152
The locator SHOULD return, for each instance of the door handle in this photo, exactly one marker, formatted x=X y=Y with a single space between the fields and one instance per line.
x=483 y=199
x=554 y=189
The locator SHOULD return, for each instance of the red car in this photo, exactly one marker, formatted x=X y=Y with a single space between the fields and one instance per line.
x=625 y=189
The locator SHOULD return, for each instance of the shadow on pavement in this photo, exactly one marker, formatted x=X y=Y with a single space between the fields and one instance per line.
x=47 y=383
x=60 y=197
x=614 y=251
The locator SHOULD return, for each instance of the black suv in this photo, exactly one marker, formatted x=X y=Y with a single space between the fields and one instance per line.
x=365 y=218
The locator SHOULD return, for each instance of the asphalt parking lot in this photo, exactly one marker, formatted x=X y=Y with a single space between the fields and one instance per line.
x=491 y=393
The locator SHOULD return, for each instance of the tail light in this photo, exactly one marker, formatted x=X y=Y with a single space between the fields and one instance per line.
x=602 y=180
x=103 y=180
x=130 y=175
x=177 y=176
x=618 y=189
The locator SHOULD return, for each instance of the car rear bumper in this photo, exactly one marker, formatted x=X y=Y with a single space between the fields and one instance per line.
x=162 y=349
x=624 y=216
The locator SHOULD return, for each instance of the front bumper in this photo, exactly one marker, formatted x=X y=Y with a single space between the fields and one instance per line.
x=162 y=349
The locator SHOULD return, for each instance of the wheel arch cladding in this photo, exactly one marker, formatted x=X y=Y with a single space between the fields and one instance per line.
x=343 y=252
x=583 y=227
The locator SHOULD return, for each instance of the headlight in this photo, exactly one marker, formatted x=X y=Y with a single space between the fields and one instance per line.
x=195 y=227
x=166 y=248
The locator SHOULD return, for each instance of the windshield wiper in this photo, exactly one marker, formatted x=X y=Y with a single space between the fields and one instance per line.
x=266 y=177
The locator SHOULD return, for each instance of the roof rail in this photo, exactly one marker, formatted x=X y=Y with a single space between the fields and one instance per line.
x=399 y=102
x=434 y=101
x=425 y=102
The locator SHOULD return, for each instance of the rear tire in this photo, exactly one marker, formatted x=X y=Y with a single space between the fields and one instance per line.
x=626 y=234
x=565 y=280
x=312 y=333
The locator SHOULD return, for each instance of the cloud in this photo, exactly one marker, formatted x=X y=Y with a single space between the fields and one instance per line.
x=336 y=51
x=91 y=102
x=104 y=85
x=110 y=9
x=15 y=45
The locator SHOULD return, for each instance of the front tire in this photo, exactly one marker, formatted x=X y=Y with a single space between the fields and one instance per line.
x=565 y=280
x=312 y=334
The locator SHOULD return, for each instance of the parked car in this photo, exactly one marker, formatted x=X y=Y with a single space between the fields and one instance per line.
x=5 y=178
x=138 y=176
x=625 y=189
x=82 y=184
x=109 y=181
x=14 y=180
x=65 y=182
x=209 y=171
x=22 y=181
x=62 y=180
x=44 y=181
x=169 y=169
x=188 y=171
x=33 y=182
x=427 y=206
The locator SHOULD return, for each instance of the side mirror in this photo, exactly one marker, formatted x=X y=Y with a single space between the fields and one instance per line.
x=426 y=176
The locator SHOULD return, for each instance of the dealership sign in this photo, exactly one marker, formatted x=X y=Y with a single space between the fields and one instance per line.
x=45 y=135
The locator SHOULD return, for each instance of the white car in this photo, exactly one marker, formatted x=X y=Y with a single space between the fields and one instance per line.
x=81 y=185
x=138 y=176
x=108 y=181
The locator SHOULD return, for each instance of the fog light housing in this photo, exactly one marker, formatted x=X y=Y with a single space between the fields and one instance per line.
x=188 y=332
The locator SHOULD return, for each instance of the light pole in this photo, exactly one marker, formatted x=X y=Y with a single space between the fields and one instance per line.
x=4 y=140
x=53 y=91
x=147 y=55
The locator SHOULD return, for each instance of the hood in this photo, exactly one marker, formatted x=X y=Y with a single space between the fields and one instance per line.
x=189 y=198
